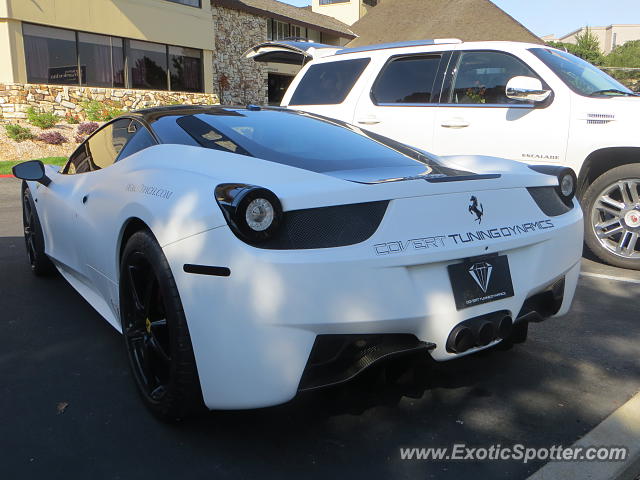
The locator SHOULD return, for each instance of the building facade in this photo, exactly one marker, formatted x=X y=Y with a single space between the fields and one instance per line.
x=241 y=24
x=610 y=37
x=134 y=52
x=346 y=11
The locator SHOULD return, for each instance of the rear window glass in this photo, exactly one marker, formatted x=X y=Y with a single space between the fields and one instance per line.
x=296 y=139
x=328 y=83
x=407 y=80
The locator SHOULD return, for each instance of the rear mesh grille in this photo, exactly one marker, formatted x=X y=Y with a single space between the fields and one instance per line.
x=549 y=201
x=328 y=227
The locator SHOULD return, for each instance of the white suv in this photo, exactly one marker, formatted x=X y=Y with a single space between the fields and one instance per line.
x=514 y=100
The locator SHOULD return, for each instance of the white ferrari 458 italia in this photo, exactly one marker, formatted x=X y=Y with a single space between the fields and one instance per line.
x=247 y=254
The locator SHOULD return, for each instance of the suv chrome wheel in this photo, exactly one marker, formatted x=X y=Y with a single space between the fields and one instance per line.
x=615 y=218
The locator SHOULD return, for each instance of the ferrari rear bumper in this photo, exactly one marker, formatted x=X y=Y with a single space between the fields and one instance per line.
x=254 y=331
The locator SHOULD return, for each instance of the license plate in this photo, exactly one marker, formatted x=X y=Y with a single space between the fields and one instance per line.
x=480 y=280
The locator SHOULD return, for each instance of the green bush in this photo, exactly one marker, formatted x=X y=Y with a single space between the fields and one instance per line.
x=102 y=111
x=18 y=133
x=41 y=119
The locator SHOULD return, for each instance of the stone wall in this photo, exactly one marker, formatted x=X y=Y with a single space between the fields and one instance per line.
x=237 y=80
x=16 y=98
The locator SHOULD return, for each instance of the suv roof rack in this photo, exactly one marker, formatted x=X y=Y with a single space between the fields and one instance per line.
x=413 y=43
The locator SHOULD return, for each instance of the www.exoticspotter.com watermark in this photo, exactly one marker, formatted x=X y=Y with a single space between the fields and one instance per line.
x=518 y=453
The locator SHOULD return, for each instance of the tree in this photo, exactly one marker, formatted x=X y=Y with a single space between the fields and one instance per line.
x=625 y=55
x=588 y=47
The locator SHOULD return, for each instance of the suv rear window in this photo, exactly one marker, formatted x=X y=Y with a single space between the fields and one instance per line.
x=328 y=83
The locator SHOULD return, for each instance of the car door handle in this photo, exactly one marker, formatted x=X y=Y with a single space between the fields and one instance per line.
x=368 y=120
x=84 y=199
x=455 y=123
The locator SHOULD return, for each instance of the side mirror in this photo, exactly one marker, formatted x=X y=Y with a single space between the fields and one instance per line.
x=526 y=88
x=32 y=171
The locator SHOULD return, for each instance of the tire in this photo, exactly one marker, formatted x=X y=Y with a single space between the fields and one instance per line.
x=40 y=263
x=155 y=332
x=611 y=207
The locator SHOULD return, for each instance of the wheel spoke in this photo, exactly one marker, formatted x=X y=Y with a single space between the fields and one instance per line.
x=607 y=223
x=633 y=189
x=630 y=247
x=610 y=233
x=147 y=363
x=158 y=350
x=140 y=287
x=626 y=198
x=608 y=210
x=623 y=239
x=611 y=202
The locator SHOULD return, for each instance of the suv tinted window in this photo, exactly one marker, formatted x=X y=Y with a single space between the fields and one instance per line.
x=407 y=80
x=328 y=83
x=481 y=78
x=579 y=75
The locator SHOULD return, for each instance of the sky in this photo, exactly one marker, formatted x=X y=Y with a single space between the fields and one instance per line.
x=559 y=17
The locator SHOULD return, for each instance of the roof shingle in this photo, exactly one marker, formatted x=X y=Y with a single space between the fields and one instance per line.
x=468 y=20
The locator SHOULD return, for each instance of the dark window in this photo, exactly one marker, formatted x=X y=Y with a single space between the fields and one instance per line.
x=139 y=139
x=166 y=130
x=277 y=87
x=190 y=3
x=59 y=56
x=328 y=83
x=288 y=138
x=407 y=80
x=481 y=78
x=579 y=75
x=185 y=68
x=207 y=136
x=51 y=55
x=101 y=60
x=277 y=30
x=147 y=65
x=78 y=162
x=104 y=146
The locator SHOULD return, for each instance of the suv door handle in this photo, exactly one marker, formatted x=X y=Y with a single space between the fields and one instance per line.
x=368 y=120
x=455 y=123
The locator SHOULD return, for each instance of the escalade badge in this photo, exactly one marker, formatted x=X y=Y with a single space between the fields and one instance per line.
x=474 y=210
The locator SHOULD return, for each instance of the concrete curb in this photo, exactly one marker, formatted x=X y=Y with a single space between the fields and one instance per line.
x=620 y=429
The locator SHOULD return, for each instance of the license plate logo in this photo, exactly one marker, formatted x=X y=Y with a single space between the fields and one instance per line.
x=480 y=280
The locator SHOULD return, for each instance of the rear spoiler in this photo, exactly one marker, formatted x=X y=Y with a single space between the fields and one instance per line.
x=289 y=51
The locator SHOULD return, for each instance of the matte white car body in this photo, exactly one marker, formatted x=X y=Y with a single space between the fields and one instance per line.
x=252 y=332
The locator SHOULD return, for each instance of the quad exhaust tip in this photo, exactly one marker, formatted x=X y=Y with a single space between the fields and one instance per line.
x=460 y=339
x=479 y=332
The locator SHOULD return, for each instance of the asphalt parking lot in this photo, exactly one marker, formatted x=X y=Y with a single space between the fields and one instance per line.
x=68 y=407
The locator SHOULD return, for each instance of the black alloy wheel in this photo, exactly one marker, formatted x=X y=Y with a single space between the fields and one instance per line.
x=41 y=265
x=156 y=333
